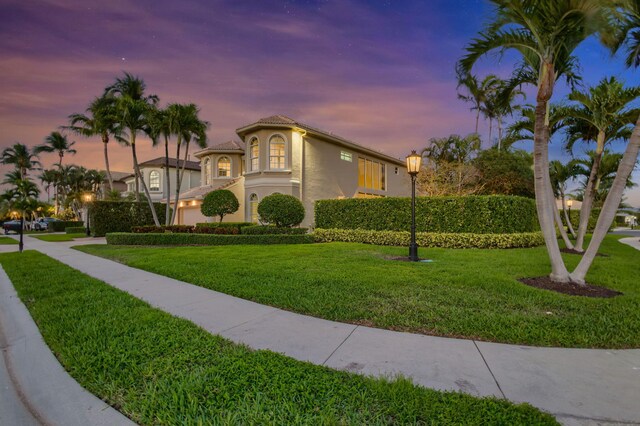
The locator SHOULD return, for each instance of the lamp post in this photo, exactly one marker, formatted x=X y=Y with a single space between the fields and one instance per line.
x=413 y=167
x=88 y=197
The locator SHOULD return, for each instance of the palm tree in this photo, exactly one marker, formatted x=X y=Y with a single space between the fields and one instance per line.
x=159 y=126
x=22 y=196
x=183 y=121
x=560 y=174
x=56 y=142
x=600 y=114
x=99 y=120
x=50 y=179
x=133 y=109
x=609 y=163
x=544 y=33
x=478 y=92
x=21 y=157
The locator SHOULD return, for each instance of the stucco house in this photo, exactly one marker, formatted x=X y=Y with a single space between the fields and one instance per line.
x=278 y=154
x=154 y=176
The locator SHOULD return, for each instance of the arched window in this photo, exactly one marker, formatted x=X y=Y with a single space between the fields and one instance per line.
x=254 y=154
x=276 y=152
x=154 y=181
x=207 y=171
x=253 y=205
x=224 y=167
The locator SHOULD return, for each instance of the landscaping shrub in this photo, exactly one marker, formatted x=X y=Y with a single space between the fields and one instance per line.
x=488 y=214
x=430 y=239
x=62 y=225
x=224 y=224
x=185 y=229
x=281 y=210
x=75 y=230
x=231 y=228
x=219 y=203
x=269 y=229
x=121 y=216
x=151 y=239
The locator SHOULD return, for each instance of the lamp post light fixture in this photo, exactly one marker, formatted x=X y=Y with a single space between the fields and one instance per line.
x=88 y=197
x=569 y=204
x=414 y=161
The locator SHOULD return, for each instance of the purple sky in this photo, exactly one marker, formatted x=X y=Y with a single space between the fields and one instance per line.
x=378 y=72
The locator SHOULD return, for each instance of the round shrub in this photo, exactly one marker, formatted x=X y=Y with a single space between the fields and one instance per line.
x=219 y=203
x=281 y=210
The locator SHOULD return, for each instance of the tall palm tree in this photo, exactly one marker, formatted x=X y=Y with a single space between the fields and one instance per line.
x=478 y=92
x=545 y=34
x=99 y=120
x=184 y=123
x=133 y=109
x=49 y=178
x=58 y=143
x=600 y=114
x=159 y=127
x=20 y=156
x=609 y=163
x=21 y=196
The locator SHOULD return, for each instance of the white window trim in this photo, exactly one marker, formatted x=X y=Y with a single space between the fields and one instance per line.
x=250 y=169
x=218 y=169
x=286 y=152
x=159 y=181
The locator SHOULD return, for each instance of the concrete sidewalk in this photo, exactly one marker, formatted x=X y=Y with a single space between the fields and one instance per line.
x=578 y=386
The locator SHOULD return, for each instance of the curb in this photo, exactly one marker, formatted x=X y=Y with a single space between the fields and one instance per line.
x=47 y=391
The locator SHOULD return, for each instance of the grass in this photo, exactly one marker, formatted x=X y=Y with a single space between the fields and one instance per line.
x=470 y=293
x=158 y=369
x=57 y=238
x=7 y=241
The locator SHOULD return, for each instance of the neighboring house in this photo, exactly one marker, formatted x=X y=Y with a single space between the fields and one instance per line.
x=119 y=181
x=280 y=155
x=153 y=173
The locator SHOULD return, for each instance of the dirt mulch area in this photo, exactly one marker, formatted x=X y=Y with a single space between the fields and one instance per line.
x=570 y=288
x=573 y=251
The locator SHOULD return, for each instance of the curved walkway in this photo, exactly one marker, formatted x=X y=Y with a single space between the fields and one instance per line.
x=578 y=386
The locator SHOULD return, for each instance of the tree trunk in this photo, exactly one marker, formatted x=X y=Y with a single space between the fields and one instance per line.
x=566 y=215
x=138 y=175
x=542 y=180
x=589 y=194
x=499 y=132
x=181 y=173
x=611 y=204
x=167 y=182
x=105 y=141
x=178 y=182
x=490 y=129
x=477 y=118
x=563 y=233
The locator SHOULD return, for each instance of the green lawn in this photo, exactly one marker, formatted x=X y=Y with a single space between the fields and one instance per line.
x=469 y=293
x=158 y=369
x=57 y=238
x=7 y=240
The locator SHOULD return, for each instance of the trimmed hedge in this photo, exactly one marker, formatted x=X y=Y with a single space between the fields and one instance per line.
x=429 y=239
x=272 y=230
x=121 y=238
x=185 y=229
x=487 y=214
x=62 y=225
x=121 y=216
x=75 y=230
x=281 y=210
x=236 y=225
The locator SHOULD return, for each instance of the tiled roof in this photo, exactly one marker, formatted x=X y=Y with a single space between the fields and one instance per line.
x=160 y=161
x=201 y=191
x=228 y=146
x=283 y=120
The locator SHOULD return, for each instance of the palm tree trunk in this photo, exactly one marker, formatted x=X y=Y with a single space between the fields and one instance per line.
x=144 y=185
x=105 y=141
x=589 y=194
x=542 y=181
x=611 y=204
x=178 y=181
x=167 y=177
x=490 y=129
x=499 y=131
x=184 y=163
x=566 y=215
x=563 y=233
x=477 y=118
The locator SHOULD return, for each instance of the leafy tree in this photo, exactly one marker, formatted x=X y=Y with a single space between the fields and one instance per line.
x=545 y=34
x=219 y=203
x=281 y=210
x=505 y=172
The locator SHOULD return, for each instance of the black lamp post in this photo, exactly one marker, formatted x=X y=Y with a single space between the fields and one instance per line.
x=413 y=167
x=87 y=199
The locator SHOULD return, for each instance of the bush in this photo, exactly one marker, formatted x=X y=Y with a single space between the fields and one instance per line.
x=487 y=214
x=234 y=226
x=220 y=203
x=271 y=230
x=151 y=239
x=185 y=229
x=281 y=210
x=429 y=239
x=75 y=230
x=121 y=216
x=62 y=225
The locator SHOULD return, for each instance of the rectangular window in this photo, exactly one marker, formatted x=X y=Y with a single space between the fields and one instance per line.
x=346 y=156
x=371 y=174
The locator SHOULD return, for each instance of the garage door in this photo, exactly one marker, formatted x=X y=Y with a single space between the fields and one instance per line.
x=191 y=215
